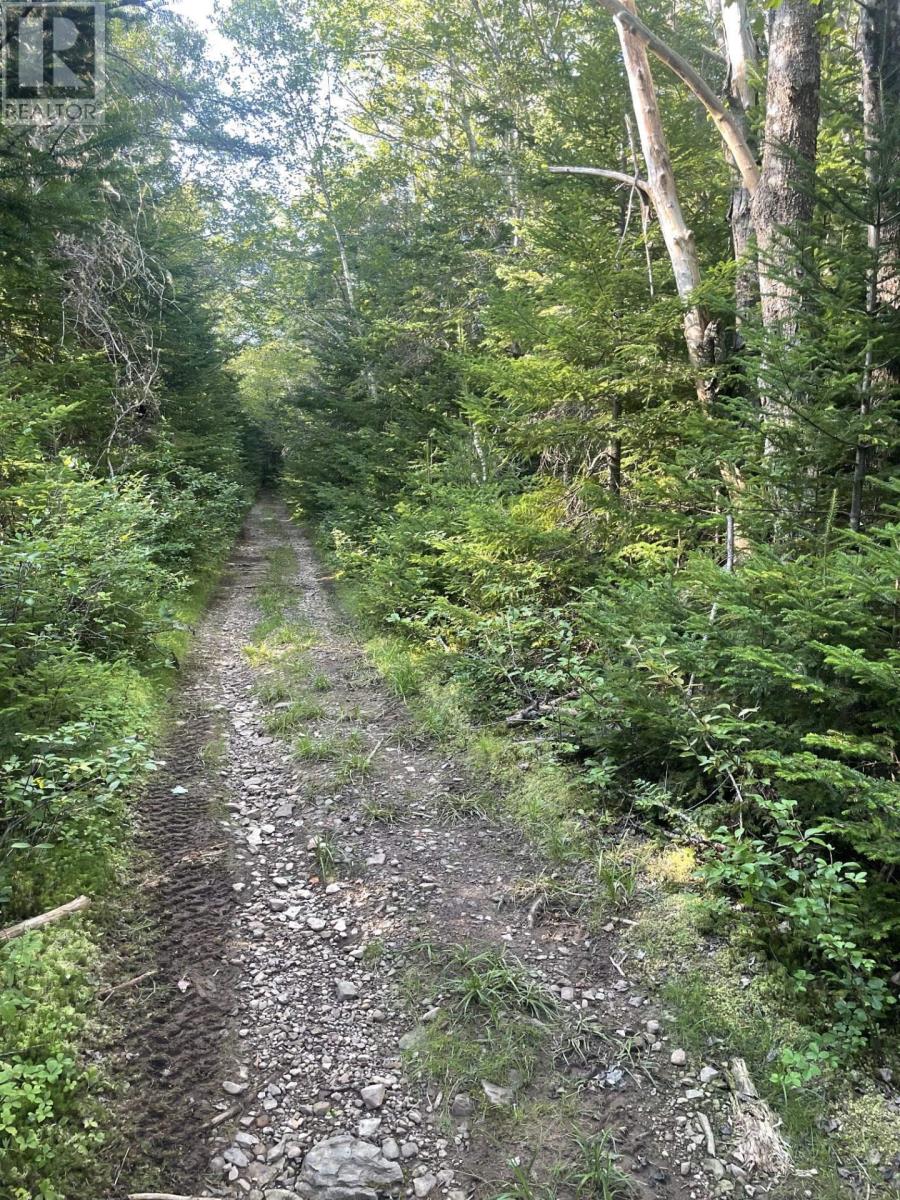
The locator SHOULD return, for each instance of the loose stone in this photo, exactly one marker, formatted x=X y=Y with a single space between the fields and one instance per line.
x=373 y=1095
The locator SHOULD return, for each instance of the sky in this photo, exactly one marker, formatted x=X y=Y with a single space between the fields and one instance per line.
x=200 y=12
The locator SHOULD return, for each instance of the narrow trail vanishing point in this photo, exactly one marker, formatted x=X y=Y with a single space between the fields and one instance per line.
x=282 y=1012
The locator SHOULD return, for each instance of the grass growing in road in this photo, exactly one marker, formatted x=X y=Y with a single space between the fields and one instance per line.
x=386 y=809
x=465 y=806
x=460 y=1053
x=491 y=980
x=328 y=857
x=495 y=1023
x=289 y=715
x=590 y=1173
x=311 y=748
x=595 y=1173
x=617 y=875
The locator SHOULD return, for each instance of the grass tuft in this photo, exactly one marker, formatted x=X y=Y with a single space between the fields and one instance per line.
x=328 y=857
x=284 y=720
x=491 y=980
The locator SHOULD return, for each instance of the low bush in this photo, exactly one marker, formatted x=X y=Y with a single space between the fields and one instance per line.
x=49 y=1134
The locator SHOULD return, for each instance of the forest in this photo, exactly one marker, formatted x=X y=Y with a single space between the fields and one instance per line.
x=569 y=337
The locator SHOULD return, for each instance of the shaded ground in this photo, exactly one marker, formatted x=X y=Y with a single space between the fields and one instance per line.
x=303 y=895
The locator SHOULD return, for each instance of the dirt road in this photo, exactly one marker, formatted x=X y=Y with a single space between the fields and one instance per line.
x=322 y=906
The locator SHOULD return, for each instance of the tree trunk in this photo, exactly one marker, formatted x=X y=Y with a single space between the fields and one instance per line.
x=349 y=286
x=615 y=450
x=879 y=50
x=741 y=54
x=661 y=182
x=729 y=128
x=742 y=58
x=783 y=203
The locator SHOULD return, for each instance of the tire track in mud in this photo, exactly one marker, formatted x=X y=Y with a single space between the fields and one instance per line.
x=177 y=1024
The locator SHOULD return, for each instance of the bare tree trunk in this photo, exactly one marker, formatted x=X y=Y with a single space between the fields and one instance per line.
x=729 y=128
x=879 y=50
x=677 y=236
x=740 y=52
x=346 y=274
x=465 y=116
x=783 y=203
x=742 y=58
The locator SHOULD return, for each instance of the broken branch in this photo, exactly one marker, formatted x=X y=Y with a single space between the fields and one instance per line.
x=538 y=710
x=617 y=176
x=760 y=1145
x=222 y=1117
x=703 y=1121
x=47 y=918
x=126 y=984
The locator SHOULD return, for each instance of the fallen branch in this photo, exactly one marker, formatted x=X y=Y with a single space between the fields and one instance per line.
x=222 y=1117
x=105 y=995
x=537 y=710
x=618 y=965
x=165 y=1196
x=703 y=1121
x=47 y=918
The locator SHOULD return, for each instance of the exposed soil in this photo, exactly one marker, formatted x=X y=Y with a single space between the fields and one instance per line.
x=240 y=1050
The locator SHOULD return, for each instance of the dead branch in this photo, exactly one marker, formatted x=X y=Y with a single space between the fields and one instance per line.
x=105 y=995
x=703 y=1121
x=536 y=711
x=114 y=292
x=601 y=172
x=165 y=1196
x=47 y=918
x=222 y=1117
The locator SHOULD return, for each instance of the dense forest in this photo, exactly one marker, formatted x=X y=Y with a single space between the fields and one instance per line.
x=573 y=335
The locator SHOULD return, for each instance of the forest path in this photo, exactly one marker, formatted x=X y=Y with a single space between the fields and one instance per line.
x=290 y=882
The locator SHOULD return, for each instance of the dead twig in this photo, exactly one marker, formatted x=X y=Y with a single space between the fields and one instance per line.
x=222 y=1117
x=703 y=1121
x=47 y=918
x=618 y=965
x=121 y=1165
x=104 y=996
